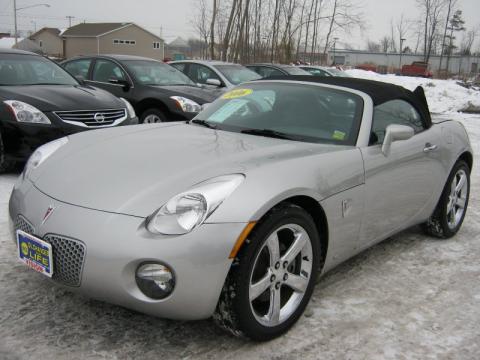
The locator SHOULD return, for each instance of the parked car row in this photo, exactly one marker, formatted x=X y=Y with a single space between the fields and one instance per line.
x=40 y=101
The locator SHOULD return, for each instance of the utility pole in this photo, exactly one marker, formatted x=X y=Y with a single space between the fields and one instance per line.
x=70 y=20
x=401 y=52
x=34 y=23
x=15 y=20
x=334 y=50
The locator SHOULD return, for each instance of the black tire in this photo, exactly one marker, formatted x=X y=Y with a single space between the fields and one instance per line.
x=234 y=312
x=5 y=164
x=155 y=113
x=438 y=224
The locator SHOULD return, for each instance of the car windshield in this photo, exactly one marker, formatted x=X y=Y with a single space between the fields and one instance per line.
x=338 y=73
x=309 y=113
x=237 y=74
x=19 y=69
x=293 y=70
x=148 y=72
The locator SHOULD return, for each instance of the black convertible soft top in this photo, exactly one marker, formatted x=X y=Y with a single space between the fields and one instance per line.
x=380 y=92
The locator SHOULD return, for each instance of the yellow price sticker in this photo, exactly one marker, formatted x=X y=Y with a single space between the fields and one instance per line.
x=338 y=135
x=237 y=93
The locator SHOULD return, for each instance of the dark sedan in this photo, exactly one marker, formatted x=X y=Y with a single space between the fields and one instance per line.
x=267 y=70
x=41 y=102
x=157 y=91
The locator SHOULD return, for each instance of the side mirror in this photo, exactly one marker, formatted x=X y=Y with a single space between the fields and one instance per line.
x=124 y=83
x=395 y=133
x=214 y=82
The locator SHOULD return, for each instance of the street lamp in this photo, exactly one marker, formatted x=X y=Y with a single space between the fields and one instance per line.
x=15 y=9
x=401 y=52
x=334 y=49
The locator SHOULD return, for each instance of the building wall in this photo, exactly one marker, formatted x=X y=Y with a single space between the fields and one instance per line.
x=80 y=46
x=51 y=44
x=143 y=43
x=457 y=65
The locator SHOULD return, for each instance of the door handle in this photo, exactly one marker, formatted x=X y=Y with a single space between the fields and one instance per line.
x=430 y=147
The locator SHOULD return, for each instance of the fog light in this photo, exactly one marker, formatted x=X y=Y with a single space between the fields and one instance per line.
x=155 y=280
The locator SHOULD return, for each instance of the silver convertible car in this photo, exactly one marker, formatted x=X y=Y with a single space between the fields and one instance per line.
x=235 y=213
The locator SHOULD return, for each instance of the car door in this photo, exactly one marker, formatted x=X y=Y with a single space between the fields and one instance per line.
x=110 y=76
x=400 y=187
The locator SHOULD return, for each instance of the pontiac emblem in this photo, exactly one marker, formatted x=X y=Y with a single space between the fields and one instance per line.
x=48 y=213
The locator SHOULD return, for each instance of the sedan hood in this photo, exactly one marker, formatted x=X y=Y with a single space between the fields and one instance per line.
x=61 y=97
x=136 y=169
x=197 y=94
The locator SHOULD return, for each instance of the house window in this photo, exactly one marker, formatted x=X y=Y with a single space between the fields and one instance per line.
x=40 y=43
x=124 y=42
x=156 y=45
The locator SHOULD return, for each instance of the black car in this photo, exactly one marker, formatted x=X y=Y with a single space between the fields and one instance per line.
x=41 y=102
x=157 y=91
x=267 y=70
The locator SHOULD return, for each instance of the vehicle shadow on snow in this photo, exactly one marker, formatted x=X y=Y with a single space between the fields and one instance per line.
x=73 y=322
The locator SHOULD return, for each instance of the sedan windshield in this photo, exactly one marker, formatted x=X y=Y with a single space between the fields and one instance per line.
x=338 y=73
x=148 y=72
x=309 y=113
x=293 y=70
x=18 y=70
x=237 y=74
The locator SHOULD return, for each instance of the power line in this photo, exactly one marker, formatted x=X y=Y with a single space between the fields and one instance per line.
x=69 y=17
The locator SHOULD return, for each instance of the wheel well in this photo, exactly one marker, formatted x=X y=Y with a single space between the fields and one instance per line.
x=151 y=104
x=312 y=206
x=468 y=158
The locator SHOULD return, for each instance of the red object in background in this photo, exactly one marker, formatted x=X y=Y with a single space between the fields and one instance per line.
x=417 y=68
x=367 y=67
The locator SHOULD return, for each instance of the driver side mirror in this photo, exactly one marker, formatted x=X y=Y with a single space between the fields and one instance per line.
x=124 y=83
x=394 y=133
x=214 y=82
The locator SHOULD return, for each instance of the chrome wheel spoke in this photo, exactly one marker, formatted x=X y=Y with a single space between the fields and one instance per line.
x=298 y=283
x=453 y=186
x=260 y=287
x=273 y=315
x=461 y=183
x=301 y=239
x=461 y=203
x=273 y=248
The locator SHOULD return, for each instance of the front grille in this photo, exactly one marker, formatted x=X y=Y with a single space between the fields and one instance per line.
x=22 y=224
x=68 y=254
x=92 y=118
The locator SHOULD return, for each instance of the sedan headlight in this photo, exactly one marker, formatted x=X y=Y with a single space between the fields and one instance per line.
x=26 y=113
x=42 y=153
x=186 y=105
x=130 y=109
x=185 y=211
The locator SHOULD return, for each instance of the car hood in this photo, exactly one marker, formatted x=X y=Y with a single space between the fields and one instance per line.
x=134 y=170
x=197 y=94
x=61 y=97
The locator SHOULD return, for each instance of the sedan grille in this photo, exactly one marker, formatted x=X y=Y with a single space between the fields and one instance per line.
x=68 y=254
x=93 y=118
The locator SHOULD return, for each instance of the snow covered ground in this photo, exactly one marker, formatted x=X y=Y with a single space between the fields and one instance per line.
x=444 y=96
x=410 y=297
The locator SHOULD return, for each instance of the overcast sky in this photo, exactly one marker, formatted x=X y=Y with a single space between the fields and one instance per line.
x=173 y=17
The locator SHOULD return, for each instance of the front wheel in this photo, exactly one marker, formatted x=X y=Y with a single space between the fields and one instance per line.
x=452 y=206
x=152 y=116
x=272 y=279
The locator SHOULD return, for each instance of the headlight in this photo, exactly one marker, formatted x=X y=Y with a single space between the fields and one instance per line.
x=26 y=113
x=186 y=105
x=185 y=211
x=130 y=109
x=42 y=153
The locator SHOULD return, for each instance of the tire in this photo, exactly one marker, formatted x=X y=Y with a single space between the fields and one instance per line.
x=152 y=116
x=5 y=164
x=449 y=213
x=253 y=265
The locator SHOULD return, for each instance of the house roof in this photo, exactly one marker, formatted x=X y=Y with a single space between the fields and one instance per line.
x=92 y=29
x=53 y=31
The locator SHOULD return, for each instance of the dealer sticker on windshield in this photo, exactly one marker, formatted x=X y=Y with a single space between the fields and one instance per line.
x=35 y=253
x=237 y=93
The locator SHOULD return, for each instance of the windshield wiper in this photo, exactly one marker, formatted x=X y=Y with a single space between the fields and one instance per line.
x=268 y=133
x=203 y=123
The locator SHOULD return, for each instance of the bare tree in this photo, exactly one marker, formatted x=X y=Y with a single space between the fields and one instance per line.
x=200 y=24
x=431 y=12
x=212 y=30
x=450 y=6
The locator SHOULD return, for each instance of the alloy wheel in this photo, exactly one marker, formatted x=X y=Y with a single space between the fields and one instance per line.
x=457 y=199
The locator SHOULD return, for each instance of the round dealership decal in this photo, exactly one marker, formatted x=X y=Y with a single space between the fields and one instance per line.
x=237 y=93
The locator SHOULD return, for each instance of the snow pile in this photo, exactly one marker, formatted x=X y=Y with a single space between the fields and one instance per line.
x=444 y=96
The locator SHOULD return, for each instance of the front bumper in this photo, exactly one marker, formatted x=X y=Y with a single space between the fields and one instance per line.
x=21 y=139
x=116 y=244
